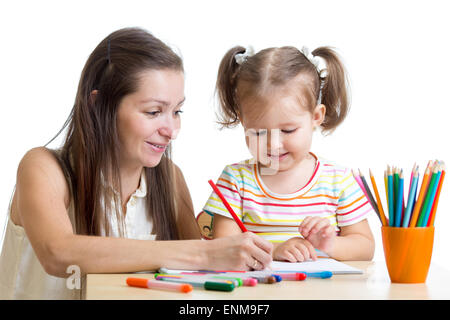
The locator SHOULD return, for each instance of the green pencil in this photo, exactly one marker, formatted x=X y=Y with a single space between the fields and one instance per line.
x=430 y=193
x=396 y=178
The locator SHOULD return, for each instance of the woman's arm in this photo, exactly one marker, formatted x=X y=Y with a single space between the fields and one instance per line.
x=42 y=201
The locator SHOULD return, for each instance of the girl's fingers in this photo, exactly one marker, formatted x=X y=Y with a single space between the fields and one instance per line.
x=304 y=252
x=288 y=256
x=328 y=232
x=298 y=254
x=307 y=225
x=305 y=221
x=320 y=226
x=311 y=250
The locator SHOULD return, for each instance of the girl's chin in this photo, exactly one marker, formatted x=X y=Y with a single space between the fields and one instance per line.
x=276 y=166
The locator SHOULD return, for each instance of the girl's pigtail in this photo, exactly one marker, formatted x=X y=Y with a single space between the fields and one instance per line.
x=334 y=89
x=226 y=88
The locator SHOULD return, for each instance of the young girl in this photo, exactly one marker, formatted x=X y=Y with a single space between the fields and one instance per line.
x=286 y=194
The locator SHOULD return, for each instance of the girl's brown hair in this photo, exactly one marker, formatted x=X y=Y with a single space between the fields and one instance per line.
x=275 y=67
x=90 y=153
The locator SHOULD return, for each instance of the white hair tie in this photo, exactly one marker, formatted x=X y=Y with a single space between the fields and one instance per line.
x=321 y=67
x=317 y=61
x=242 y=57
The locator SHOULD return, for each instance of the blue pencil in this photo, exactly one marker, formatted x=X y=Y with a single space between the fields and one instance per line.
x=391 y=198
x=411 y=199
x=415 y=191
x=399 y=201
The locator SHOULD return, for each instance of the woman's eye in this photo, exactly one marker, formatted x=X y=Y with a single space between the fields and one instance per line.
x=153 y=113
x=289 y=131
x=178 y=112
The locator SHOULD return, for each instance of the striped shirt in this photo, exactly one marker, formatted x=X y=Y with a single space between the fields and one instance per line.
x=332 y=192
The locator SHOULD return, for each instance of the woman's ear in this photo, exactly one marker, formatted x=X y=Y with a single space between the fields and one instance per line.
x=93 y=96
x=318 y=115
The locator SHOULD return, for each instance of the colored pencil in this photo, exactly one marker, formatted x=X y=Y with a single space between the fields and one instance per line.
x=410 y=183
x=416 y=207
x=369 y=193
x=436 y=199
x=399 y=202
x=358 y=180
x=395 y=179
x=422 y=193
x=411 y=198
x=412 y=175
x=428 y=202
x=377 y=195
x=226 y=204
x=391 y=198
x=386 y=189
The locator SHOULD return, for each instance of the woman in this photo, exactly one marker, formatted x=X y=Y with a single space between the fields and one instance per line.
x=108 y=198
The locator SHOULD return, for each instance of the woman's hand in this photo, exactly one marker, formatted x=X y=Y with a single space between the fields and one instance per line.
x=245 y=251
x=294 y=250
x=319 y=232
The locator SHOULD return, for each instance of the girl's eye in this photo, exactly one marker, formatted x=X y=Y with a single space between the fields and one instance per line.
x=289 y=131
x=258 y=132
x=178 y=112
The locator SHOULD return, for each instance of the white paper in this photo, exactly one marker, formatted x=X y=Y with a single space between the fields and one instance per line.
x=321 y=264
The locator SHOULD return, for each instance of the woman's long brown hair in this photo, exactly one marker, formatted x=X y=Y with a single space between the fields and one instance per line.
x=90 y=152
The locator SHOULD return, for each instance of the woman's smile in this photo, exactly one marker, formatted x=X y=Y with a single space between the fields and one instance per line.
x=157 y=147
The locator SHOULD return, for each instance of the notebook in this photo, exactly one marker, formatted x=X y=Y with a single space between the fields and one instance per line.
x=321 y=264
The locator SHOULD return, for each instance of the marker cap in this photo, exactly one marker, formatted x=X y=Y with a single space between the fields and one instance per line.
x=219 y=286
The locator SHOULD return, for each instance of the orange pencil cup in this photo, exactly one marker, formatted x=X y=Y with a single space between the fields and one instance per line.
x=408 y=253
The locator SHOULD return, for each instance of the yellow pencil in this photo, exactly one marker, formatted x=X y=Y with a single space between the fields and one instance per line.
x=380 y=205
x=386 y=187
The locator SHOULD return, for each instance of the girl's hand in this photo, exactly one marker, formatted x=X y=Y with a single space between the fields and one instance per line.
x=294 y=250
x=319 y=232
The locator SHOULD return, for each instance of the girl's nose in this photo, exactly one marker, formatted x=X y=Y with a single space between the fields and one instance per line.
x=274 y=140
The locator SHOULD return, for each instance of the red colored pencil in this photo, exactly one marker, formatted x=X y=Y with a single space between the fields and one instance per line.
x=436 y=199
x=225 y=203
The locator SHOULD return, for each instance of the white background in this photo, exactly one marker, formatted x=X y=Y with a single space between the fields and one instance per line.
x=396 y=53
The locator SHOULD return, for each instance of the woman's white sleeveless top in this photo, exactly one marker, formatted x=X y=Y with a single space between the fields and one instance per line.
x=22 y=275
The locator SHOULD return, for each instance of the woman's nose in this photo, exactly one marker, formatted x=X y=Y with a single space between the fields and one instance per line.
x=170 y=128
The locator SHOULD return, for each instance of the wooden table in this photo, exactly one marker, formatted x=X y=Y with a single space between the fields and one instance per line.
x=374 y=283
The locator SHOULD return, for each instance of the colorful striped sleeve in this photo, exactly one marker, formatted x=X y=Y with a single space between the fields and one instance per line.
x=353 y=205
x=229 y=186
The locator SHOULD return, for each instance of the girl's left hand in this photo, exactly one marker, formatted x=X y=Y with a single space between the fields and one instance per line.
x=319 y=232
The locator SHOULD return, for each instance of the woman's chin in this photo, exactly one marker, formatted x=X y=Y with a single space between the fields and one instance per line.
x=151 y=162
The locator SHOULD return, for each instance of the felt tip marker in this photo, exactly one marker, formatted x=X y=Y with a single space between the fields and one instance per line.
x=208 y=284
x=317 y=274
x=237 y=282
x=297 y=276
x=155 y=284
